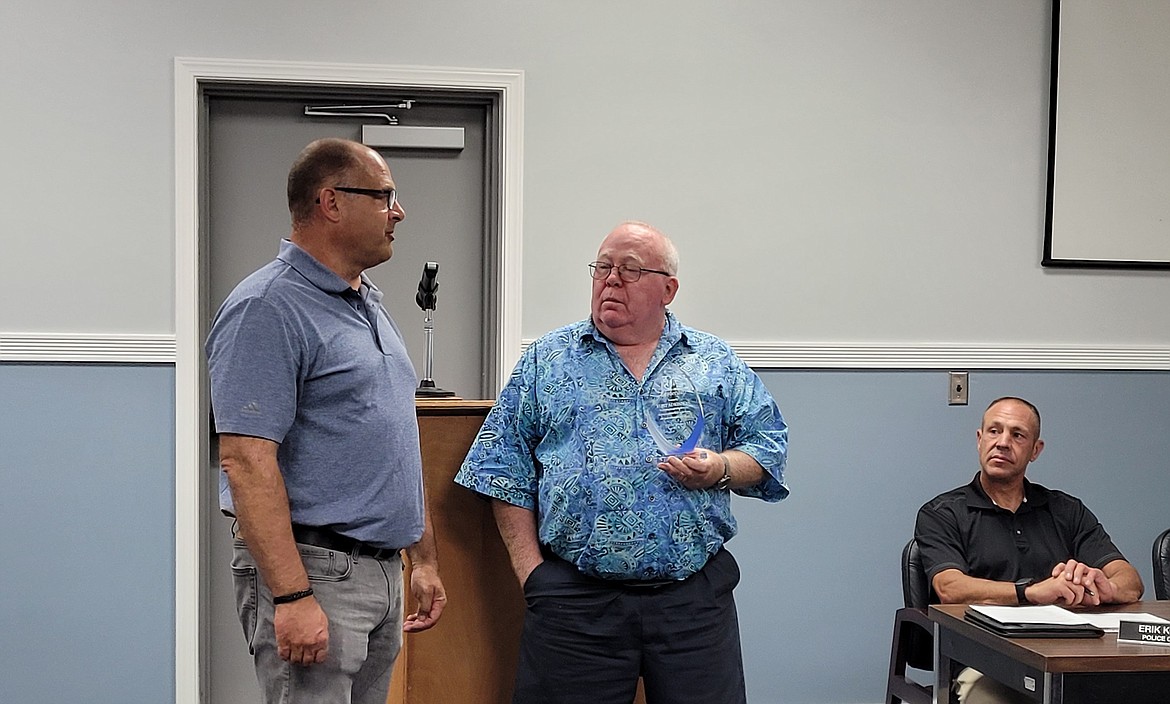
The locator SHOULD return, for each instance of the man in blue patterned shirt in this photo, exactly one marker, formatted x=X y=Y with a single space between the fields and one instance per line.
x=609 y=459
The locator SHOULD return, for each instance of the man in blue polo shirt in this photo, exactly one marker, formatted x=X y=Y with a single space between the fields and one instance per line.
x=313 y=397
x=615 y=515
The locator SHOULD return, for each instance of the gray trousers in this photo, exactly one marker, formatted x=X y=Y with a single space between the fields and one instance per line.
x=361 y=596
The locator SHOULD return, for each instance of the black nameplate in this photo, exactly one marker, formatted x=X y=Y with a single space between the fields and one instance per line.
x=1144 y=633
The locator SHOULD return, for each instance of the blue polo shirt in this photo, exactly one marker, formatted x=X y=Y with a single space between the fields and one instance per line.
x=298 y=357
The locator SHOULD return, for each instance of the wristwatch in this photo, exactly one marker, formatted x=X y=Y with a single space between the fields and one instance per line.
x=724 y=482
x=1021 y=586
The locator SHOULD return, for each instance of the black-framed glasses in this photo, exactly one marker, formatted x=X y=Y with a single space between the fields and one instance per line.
x=629 y=274
x=388 y=194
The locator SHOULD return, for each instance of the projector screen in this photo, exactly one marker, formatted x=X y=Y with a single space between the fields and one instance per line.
x=1109 y=146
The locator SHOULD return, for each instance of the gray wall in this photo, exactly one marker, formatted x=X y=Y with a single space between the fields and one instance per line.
x=838 y=156
x=857 y=170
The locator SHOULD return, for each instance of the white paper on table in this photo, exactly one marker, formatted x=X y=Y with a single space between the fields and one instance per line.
x=1031 y=614
x=1112 y=622
x=1056 y=614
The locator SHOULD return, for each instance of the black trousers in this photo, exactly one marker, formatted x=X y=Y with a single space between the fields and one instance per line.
x=587 y=640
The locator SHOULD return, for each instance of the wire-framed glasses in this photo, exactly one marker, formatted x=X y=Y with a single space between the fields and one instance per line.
x=629 y=274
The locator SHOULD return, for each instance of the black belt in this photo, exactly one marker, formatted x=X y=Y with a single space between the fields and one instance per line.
x=647 y=584
x=325 y=538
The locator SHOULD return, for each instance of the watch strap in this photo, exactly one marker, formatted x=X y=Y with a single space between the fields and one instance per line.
x=724 y=482
x=1021 y=590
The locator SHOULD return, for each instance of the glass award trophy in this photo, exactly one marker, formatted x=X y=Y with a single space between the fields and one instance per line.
x=674 y=414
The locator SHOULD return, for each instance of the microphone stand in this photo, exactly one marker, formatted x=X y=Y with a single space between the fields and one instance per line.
x=427 y=298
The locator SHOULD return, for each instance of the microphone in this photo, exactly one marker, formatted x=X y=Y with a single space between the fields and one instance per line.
x=427 y=298
x=428 y=287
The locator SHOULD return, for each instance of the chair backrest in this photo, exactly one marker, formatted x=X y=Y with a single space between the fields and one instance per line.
x=916 y=590
x=1162 y=565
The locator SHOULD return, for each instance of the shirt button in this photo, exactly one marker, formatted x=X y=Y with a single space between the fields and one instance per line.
x=650 y=499
x=653 y=536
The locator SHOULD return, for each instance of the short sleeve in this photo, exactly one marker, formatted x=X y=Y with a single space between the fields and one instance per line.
x=1092 y=545
x=939 y=540
x=500 y=462
x=253 y=366
x=756 y=427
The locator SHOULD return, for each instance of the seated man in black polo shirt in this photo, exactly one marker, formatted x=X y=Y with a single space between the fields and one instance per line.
x=1003 y=540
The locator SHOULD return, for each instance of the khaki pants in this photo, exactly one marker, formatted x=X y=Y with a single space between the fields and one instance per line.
x=973 y=688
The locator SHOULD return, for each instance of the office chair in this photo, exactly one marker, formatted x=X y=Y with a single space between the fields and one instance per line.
x=1162 y=565
x=913 y=642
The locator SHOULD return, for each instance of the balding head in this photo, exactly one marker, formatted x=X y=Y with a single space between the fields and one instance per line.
x=325 y=162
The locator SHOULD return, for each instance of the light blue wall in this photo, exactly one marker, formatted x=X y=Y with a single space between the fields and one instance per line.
x=87 y=532
x=86 y=508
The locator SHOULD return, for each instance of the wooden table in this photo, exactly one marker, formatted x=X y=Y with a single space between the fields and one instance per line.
x=1053 y=670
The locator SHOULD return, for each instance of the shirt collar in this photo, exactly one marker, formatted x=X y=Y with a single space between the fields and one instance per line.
x=672 y=332
x=1034 y=495
x=314 y=271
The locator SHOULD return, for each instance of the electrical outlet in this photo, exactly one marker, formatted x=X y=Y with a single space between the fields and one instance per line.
x=957 y=389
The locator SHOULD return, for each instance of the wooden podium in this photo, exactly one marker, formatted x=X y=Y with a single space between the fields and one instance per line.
x=469 y=657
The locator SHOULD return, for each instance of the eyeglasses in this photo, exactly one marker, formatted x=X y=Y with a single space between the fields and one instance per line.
x=389 y=194
x=629 y=274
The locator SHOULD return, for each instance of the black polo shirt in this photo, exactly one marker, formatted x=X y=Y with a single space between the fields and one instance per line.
x=964 y=530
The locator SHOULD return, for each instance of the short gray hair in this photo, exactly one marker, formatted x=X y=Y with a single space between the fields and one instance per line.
x=320 y=163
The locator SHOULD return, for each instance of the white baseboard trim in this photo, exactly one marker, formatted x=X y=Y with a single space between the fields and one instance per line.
x=57 y=347
x=762 y=355
x=799 y=355
x=160 y=349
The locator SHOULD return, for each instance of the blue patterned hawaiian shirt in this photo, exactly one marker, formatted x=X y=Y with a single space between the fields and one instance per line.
x=568 y=438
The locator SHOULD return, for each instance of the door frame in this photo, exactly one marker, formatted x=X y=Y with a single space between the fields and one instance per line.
x=191 y=403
